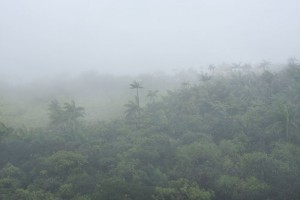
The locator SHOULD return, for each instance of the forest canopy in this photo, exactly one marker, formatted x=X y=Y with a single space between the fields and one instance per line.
x=232 y=135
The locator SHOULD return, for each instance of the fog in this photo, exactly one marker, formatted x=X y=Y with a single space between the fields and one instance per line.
x=39 y=38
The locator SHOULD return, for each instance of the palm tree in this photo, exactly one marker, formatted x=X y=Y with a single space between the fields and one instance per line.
x=72 y=112
x=66 y=117
x=132 y=110
x=152 y=94
x=211 y=68
x=136 y=85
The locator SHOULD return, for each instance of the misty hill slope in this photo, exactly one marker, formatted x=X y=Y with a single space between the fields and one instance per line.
x=102 y=96
x=225 y=137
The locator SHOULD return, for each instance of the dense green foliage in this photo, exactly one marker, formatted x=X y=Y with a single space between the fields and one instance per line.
x=225 y=137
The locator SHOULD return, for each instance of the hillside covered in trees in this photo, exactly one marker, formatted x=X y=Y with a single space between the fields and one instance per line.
x=223 y=137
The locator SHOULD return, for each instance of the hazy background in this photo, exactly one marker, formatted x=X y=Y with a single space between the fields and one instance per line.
x=39 y=38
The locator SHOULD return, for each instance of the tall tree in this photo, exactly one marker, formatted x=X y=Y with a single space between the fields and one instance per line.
x=132 y=109
x=136 y=85
x=72 y=112
x=152 y=94
x=65 y=118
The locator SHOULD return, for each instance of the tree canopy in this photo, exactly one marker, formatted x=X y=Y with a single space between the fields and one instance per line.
x=233 y=136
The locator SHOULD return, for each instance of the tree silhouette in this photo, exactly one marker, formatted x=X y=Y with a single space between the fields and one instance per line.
x=152 y=94
x=64 y=118
x=136 y=85
x=132 y=109
x=72 y=112
x=133 y=112
x=211 y=68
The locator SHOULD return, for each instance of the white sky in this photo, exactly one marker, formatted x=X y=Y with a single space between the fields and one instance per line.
x=39 y=37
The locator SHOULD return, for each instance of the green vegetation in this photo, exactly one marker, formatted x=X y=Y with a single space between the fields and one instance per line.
x=226 y=136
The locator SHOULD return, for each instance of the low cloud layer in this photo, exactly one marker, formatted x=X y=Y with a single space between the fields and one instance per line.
x=129 y=37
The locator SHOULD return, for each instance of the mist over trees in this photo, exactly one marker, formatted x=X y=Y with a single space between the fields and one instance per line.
x=222 y=133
